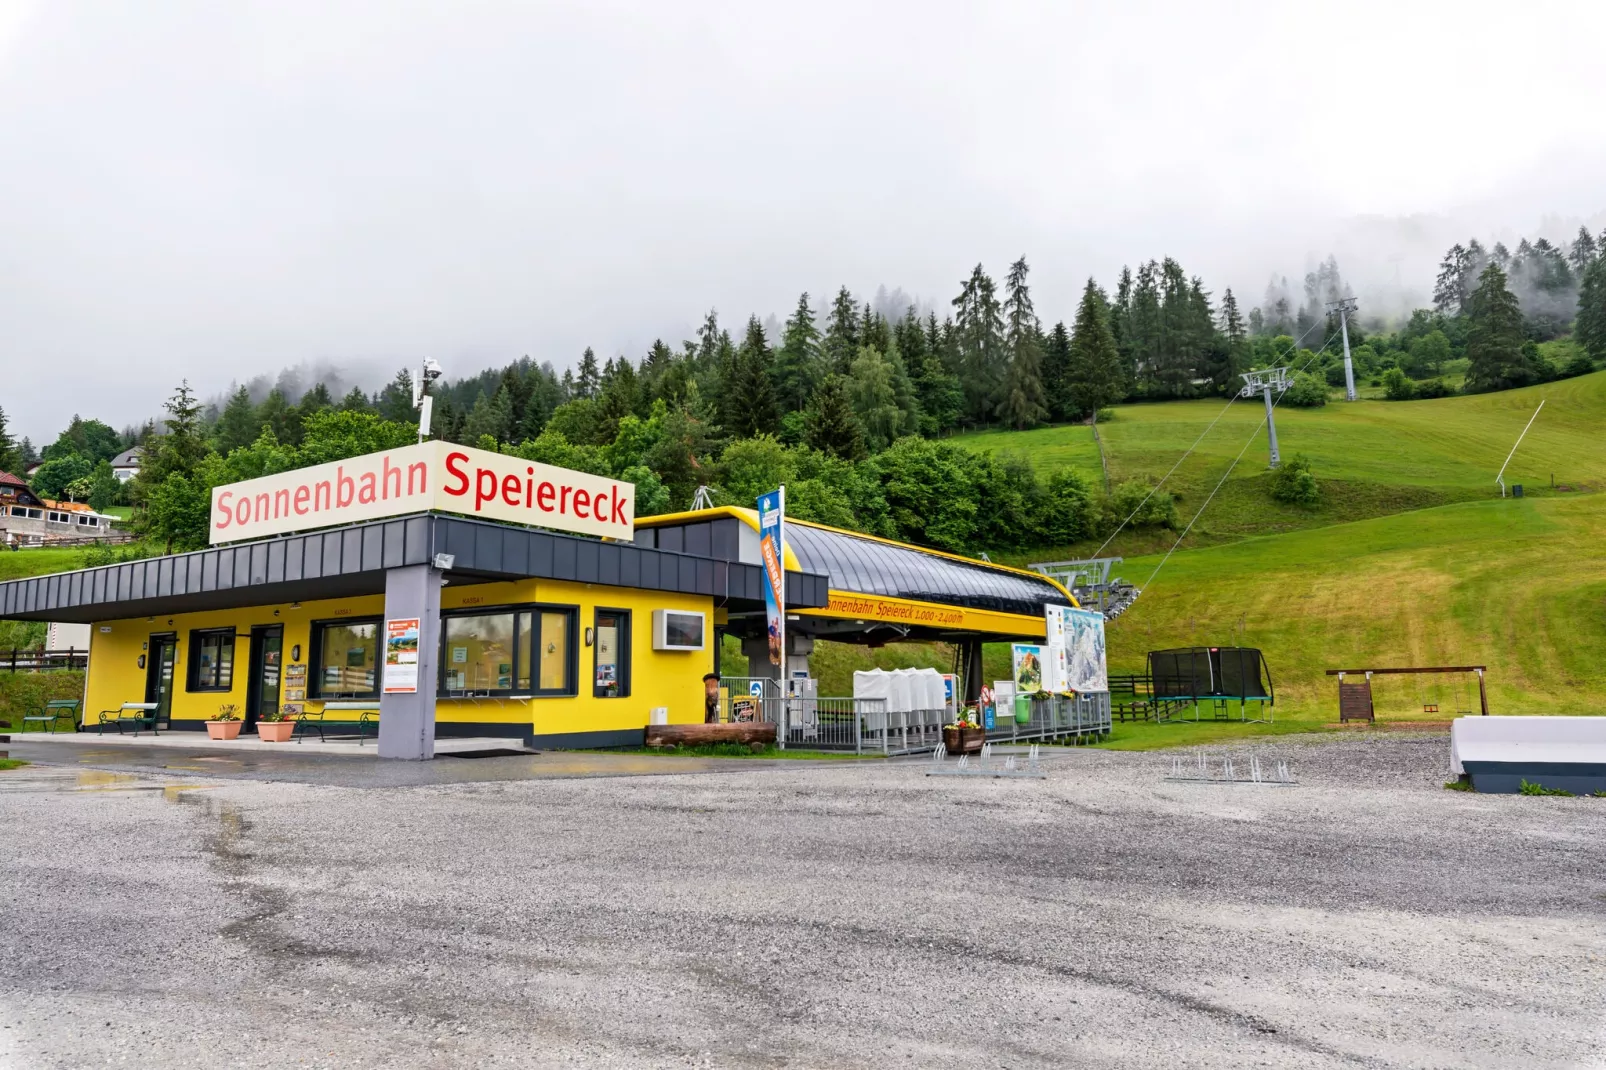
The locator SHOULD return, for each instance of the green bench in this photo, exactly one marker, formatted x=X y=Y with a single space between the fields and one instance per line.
x=139 y=714
x=46 y=716
x=342 y=723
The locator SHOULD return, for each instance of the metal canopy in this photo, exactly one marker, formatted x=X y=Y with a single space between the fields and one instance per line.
x=349 y=561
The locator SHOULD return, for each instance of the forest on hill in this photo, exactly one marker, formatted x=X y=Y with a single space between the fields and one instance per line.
x=853 y=408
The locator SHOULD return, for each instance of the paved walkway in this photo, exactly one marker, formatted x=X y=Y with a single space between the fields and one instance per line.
x=313 y=763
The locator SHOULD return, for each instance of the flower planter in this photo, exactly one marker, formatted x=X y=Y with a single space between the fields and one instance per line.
x=963 y=740
x=275 y=731
x=223 y=729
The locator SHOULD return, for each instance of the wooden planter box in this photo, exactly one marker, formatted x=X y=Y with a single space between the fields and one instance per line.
x=963 y=740
x=223 y=729
x=693 y=735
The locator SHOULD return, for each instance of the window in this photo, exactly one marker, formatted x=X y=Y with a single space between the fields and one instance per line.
x=346 y=659
x=212 y=660
x=611 y=648
x=528 y=652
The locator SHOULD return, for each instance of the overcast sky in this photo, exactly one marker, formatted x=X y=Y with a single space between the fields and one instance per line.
x=216 y=190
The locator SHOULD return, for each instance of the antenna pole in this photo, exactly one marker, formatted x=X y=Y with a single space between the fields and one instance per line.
x=1501 y=478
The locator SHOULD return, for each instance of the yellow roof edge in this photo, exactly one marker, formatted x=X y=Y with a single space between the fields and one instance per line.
x=750 y=518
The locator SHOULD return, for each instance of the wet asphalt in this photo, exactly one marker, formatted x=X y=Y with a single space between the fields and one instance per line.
x=798 y=914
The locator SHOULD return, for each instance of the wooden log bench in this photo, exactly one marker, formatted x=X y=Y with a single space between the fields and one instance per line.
x=698 y=735
x=360 y=719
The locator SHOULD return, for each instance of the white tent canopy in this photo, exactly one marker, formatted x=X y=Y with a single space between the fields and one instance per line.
x=905 y=690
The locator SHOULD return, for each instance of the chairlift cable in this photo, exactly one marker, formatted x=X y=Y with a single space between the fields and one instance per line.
x=1222 y=482
x=1293 y=349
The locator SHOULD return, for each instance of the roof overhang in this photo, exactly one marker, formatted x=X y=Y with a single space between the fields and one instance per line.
x=350 y=561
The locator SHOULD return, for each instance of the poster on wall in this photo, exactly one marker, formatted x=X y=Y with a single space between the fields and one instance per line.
x=1082 y=654
x=1028 y=662
x=401 y=655
x=771 y=549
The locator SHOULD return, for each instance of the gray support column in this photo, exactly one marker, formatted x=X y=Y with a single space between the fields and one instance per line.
x=1349 y=368
x=407 y=721
x=1271 y=426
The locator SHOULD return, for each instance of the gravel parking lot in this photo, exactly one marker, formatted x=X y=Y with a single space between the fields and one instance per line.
x=807 y=914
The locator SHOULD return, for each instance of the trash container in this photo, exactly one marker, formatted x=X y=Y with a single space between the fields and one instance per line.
x=1023 y=709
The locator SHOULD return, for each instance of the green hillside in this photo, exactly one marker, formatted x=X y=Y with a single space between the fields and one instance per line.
x=1373 y=458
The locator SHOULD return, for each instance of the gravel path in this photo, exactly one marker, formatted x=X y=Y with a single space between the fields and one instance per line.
x=806 y=915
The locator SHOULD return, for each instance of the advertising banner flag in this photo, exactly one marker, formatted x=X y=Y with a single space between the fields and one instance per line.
x=401 y=655
x=772 y=548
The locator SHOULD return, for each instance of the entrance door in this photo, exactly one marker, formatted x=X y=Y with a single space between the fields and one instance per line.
x=267 y=656
x=159 y=676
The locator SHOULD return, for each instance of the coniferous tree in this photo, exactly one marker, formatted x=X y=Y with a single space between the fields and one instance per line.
x=1235 y=344
x=840 y=345
x=589 y=379
x=354 y=401
x=1449 y=293
x=395 y=402
x=1094 y=361
x=1057 y=374
x=1590 y=327
x=1495 y=357
x=1121 y=327
x=11 y=457
x=621 y=397
x=653 y=369
x=797 y=362
x=181 y=446
x=1145 y=323
x=277 y=413
x=874 y=331
x=1583 y=252
x=830 y=424
x=490 y=417
x=237 y=425
x=748 y=408
x=979 y=338
x=1024 y=403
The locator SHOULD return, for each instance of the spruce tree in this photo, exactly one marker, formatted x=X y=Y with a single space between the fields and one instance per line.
x=238 y=424
x=1495 y=357
x=659 y=358
x=621 y=397
x=589 y=379
x=797 y=362
x=11 y=459
x=1145 y=326
x=830 y=424
x=1121 y=326
x=1057 y=374
x=1235 y=349
x=354 y=401
x=1095 y=378
x=748 y=408
x=1024 y=403
x=1583 y=252
x=979 y=337
x=840 y=345
x=1590 y=327
x=490 y=417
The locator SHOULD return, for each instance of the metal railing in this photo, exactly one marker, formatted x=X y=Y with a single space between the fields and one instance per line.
x=1057 y=717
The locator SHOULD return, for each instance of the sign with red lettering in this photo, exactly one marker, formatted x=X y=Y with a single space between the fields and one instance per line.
x=414 y=479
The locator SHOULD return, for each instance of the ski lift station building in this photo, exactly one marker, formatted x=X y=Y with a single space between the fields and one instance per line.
x=458 y=592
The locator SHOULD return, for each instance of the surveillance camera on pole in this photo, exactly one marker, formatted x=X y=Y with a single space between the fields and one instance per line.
x=428 y=373
x=1263 y=383
x=1345 y=308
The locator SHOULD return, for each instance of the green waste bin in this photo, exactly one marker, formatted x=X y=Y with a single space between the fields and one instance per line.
x=1023 y=709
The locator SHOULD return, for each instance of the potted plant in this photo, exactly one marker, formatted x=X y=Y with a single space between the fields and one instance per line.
x=227 y=723
x=275 y=726
x=965 y=735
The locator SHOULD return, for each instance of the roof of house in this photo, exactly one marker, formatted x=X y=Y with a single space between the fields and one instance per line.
x=7 y=479
x=129 y=458
x=66 y=507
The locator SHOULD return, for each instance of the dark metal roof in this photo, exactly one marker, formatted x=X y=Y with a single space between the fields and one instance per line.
x=869 y=566
x=351 y=561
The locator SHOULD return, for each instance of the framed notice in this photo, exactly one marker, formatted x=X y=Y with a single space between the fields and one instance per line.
x=401 y=656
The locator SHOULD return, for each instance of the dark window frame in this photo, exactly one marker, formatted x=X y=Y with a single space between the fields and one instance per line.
x=315 y=691
x=625 y=638
x=571 y=668
x=192 y=674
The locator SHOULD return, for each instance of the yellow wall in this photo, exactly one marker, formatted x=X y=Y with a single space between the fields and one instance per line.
x=657 y=678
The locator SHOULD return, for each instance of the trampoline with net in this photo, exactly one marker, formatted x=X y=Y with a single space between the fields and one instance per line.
x=1212 y=678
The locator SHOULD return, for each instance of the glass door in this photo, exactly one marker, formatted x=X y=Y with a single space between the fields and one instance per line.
x=159 y=676
x=267 y=656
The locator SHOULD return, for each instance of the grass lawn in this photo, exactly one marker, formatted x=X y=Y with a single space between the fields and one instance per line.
x=11 y=763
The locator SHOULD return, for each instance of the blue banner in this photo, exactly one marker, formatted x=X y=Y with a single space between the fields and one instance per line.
x=772 y=550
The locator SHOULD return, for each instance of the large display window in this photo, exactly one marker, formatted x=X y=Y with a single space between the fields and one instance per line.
x=513 y=651
x=346 y=659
